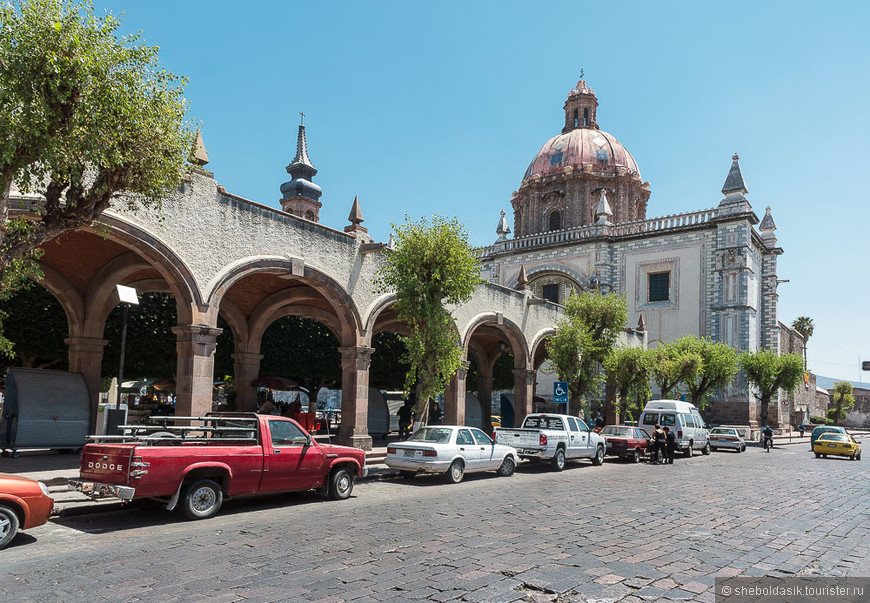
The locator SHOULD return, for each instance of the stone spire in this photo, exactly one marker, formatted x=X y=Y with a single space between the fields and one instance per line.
x=198 y=155
x=355 y=217
x=522 y=279
x=734 y=190
x=641 y=325
x=734 y=182
x=603 y=213
x=301 y=197
x=767 y=228
x=502 y=230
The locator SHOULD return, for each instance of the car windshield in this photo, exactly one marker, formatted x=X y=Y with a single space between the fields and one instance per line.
x=622 y=432
x=433 y=435
x=721 y=431
x=834 y=437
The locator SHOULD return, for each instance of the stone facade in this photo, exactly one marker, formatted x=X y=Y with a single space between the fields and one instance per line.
x=709 y=273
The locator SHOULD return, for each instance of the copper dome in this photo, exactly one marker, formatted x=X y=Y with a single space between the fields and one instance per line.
x=579 y=149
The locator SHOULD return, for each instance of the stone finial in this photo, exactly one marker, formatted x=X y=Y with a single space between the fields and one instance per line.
x=198 y=155
x=502 y=230
x=734 y=182
x=603 y=213
x=355 y=217
x=392 y=243
x=301 y=150
x=641 y=325
x=522 y=279
x=767 y=229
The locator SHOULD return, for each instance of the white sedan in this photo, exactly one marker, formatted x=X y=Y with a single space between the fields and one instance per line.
x=726 y=437
x=452 y=450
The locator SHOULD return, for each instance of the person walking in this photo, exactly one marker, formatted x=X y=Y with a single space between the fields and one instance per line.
x=406 y=418
x=435 y=414
x=670 y=445
x=657 y=444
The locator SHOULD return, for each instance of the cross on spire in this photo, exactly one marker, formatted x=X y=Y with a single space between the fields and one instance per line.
x=302 y=121
x=581 y=73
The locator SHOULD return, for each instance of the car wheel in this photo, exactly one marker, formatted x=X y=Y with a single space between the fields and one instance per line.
x=408 y=474
x=8 y=526
x=825 y=455
x=456 y=472
x=635 y=458
x=508 y=465
x=712 y=448
x=202 y=499
x=340 y=483
x=598 y=459
x=706 y=450
x=858 y=456
x=851 y=457
x=818 y=455
x=689 y=452
x=559 y=460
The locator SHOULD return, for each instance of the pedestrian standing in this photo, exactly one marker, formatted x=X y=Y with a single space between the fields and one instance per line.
x=435 y=414
x=670 y=445
x=405 y=414
x=657 y=444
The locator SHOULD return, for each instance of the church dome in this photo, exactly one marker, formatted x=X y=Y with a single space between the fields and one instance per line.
x=579 y=148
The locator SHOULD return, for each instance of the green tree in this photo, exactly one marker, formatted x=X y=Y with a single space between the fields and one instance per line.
x=769 y=372
x=628 y=368
x=584 y=339
x=432 y=266
x=804 y=326
x=842 y=400
x=388 y=369
x=716 y=370
x=673 y=364
x=85 y=116
x=37 y=323
x=151 y=344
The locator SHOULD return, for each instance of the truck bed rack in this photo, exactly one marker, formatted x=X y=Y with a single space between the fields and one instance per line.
x=163 y=430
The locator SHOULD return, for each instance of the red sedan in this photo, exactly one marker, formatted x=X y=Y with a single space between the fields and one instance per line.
x=24 y=503
x=626 y=441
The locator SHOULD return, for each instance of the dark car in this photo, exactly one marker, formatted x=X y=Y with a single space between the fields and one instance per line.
x=626 y=441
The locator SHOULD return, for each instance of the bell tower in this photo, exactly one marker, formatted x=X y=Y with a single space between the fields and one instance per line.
x=301 y=197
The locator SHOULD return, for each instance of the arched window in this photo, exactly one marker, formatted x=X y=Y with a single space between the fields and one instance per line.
x=576 y=119
x=585 y=117
x=309 y=215
x=555 y=221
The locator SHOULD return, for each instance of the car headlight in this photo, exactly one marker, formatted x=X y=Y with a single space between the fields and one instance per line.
x=43 y=487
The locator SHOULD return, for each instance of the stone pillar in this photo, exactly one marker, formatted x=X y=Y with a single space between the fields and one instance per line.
x=454 y=398
x=194 y=378
x=246 y=370
x=353 y=431
x=86 y=357
x=524 y=393
x=484 y=396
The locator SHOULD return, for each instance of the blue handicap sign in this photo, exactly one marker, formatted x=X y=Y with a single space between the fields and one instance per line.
x=560 y=392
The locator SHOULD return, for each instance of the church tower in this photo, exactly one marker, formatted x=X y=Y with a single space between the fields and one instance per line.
x=562 y=187
x=301 y=197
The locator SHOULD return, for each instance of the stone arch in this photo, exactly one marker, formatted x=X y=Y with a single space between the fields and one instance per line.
x=67 y=296
x=338 y=298
x=511 y=330
x=537 y=349
x=381 y=317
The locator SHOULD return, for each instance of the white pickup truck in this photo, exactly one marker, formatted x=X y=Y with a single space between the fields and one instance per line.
x=554 y=438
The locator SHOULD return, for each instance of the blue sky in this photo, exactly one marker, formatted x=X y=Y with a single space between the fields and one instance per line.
x=438 y=107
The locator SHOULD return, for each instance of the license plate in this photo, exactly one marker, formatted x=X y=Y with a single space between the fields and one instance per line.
x=413 y=453
x=832 y=445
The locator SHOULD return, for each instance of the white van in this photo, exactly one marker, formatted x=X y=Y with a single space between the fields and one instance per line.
x=680 y=417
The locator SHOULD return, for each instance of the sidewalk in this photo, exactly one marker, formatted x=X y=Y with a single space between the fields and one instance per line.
x=55 y=470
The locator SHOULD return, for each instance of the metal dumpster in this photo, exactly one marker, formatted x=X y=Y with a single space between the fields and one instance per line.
x=44 y=409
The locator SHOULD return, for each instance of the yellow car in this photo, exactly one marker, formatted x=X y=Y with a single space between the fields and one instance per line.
x=839 y=444
x=496 y=421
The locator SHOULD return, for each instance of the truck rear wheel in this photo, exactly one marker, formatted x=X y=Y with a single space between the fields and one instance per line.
x=559 y=459
x=202 y=499
x=340 y=484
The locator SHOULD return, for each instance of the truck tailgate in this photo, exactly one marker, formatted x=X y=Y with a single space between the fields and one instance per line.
x=106 y=463
x=519 y=438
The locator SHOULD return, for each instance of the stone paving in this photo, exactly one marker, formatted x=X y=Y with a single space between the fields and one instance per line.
x=619 y=532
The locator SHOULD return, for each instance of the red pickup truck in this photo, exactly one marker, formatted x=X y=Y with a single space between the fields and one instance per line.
x=195 y=462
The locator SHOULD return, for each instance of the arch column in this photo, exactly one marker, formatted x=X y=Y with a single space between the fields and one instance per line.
x=484 y=396
x=355 y=363
x=86 y=357
x=524 y=393
x=454 y=398
x=246 y=369
x=194 y=377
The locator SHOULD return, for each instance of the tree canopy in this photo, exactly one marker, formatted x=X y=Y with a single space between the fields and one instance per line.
x=583 y=340
x=432 y=266
x=672 y=364
x=842 y=400
x=628 y=368
x=804 y=325
x=85 y=116
x=717 y=367
x=769 y=372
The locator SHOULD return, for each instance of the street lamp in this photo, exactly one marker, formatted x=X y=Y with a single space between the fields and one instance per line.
x=128 y=296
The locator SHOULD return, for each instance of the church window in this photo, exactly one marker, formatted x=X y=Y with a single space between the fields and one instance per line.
x=309 y=215
x=585 y=117
x=659 y=286
x=555 y=221
x=576 y=120
x=550 y=293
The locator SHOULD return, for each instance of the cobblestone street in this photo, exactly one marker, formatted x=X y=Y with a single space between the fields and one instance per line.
x=618 y=532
